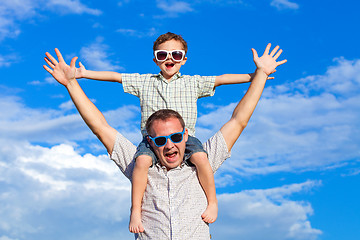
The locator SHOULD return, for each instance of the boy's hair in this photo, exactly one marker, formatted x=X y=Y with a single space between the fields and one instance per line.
x=167 y=37
x=163 y=114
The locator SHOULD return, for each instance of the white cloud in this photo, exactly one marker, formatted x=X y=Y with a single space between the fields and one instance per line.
x=136 y=33
x=253 y=214
x=43 y=189
x=7 y=60
x=311 y=123
x=18 y=122
x=284 y=4
x=71 y=6
x=96 y=56
x=173 y=8
x=12 y=13
x=6 y=238
x=65 y=191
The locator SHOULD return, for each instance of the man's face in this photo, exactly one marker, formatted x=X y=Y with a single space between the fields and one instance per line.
x=171 y=154
x=169 y=67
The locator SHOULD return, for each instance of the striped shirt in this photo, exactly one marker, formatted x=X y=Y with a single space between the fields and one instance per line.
x=179 y=94
x=174 y=199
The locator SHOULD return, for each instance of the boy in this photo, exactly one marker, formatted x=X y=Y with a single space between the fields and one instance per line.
x=168 y=89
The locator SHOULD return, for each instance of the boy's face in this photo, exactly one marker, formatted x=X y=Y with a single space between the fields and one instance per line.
x=169 y=67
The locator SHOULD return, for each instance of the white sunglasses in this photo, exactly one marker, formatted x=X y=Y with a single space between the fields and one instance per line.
x=176 y=55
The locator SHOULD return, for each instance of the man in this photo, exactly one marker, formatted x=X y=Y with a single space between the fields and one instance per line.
x=174 y=200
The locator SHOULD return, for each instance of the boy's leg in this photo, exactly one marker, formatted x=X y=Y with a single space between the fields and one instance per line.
x=139 y=181
x=206 y=178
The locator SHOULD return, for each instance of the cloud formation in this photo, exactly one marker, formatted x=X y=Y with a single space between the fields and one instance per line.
x=304 y=125
x=12 y=13
x=284 y=4
x=253 y=214
x=61 y=185
x=96 y=56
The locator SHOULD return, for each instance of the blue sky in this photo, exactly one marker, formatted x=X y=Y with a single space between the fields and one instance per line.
x=293 y=174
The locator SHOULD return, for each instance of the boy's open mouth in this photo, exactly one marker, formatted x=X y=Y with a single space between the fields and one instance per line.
x=169 y=65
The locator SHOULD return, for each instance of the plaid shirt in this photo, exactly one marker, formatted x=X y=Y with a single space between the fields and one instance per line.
x=179 y=94
x=173 y=200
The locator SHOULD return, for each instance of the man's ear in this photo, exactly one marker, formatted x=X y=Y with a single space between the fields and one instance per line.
x=186 y=135
x=148 y=139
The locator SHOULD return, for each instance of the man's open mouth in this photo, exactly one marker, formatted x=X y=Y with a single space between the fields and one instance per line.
x=171 y=154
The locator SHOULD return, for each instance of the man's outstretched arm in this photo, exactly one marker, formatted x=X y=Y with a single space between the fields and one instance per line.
x=65 y=75
x=265 y=65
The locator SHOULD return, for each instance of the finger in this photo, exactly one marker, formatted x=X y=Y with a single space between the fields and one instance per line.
x=50 y=63
x=48 y=69
x=267 y=49
x=278 y=54
x=73 y=61
x=255 y=55
x=51 y=58
x=80 y=64
x=274 y=51
x=269 y=78
x=58 y=54
x=281 y=62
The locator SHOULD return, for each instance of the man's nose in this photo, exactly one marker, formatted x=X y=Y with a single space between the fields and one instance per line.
x=169 y=143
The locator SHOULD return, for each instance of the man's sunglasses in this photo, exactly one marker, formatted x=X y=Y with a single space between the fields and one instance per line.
x=176 y=55
x=161 y=140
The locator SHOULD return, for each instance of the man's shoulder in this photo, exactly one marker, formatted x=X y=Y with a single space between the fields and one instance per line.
x=217 y=150
x=123 y=154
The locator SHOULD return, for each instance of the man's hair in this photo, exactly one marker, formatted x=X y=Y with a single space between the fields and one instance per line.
x=163 y=114
x=167 y=37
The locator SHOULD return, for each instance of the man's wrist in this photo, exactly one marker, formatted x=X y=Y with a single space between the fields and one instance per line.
x=261 y=71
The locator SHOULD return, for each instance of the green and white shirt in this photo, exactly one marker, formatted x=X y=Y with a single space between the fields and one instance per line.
x=179 y=94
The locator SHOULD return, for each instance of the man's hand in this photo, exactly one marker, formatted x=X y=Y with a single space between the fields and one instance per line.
x=62 y=72
x=267 y=62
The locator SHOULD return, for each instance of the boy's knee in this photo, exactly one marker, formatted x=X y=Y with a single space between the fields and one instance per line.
x=143 y=161
x=199 y=158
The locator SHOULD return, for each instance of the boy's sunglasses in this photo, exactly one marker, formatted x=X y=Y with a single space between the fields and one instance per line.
x=176 y=55
x=161 y=140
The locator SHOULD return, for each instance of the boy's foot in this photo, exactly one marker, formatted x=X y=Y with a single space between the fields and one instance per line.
x=210 y=213
x=135 y=224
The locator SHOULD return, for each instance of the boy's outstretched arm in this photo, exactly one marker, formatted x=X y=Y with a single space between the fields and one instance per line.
x=109 y=76
x=65 y=75
x=265 y=65
x=226 y=79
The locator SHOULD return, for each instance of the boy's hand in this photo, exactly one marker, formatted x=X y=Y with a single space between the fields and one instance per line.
x=62 y=72
x=80 y=72
x=267 y=62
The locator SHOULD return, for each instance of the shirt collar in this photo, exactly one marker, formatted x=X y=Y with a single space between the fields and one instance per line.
x=182 y=164
x=161 y=77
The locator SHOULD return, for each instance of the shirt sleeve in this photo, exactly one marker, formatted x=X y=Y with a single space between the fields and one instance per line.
x=217 y=150
x=205 y=86
x=132 y=83
x=123 y=155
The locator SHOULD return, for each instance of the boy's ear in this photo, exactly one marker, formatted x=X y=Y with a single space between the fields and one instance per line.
x=184 y=61
x=186 y=135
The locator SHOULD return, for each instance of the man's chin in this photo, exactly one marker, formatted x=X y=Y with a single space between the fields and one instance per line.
x=173 y=161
